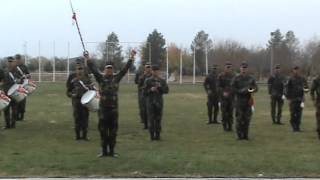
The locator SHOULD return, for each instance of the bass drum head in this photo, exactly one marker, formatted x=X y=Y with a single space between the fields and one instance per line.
x=13 y=89
x=88 y=96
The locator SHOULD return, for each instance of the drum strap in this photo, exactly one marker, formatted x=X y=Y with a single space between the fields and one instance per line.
x=12 y=77
x=84 y=86
x=20 y=71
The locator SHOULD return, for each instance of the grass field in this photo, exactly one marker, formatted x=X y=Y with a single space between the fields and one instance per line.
x=44 y=145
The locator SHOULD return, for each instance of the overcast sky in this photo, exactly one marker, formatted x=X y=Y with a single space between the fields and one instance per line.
x=247 y=21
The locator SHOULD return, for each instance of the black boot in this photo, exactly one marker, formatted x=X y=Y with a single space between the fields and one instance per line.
x=21 y=117
x=104 y=152
x=112 y=153
x=225 y=127
x=152 y=137
x=157 y=137
x=84 y=135
x=77 y=134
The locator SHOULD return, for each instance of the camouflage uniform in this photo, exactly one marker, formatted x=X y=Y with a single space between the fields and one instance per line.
x=108 y=111
x=154 y=101
x=315 y=96
x=243 y=102
x=75 y=90
x=9 y=78
x=294 y=91
x=211 y=86
x=226 y=99
x=139 y=80
x=22 y=105
x=276 y=90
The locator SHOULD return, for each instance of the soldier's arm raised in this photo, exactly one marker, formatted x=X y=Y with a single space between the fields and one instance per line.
x=94 y=69
x=125 y=69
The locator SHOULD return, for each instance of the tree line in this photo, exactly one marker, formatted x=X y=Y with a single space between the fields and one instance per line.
x=284 y=48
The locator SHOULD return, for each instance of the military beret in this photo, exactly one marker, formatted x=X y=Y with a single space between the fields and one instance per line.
x=228 y=63
x=79 y=60
x=296 y=67
x=10 y=59
x=109 y=64
x=18 y=56
x=155 y=67
x=147 y=65
x=215 y=66
x=244 y=64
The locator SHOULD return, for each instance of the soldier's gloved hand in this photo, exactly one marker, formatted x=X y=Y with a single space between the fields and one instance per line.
x=283 y=97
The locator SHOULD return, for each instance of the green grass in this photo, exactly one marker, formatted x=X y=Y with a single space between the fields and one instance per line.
x=44 y=145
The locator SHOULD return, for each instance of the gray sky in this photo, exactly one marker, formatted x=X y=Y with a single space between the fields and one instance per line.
x=247 y=21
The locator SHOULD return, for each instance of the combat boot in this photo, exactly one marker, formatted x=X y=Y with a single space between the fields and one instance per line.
x=104 y=152
x=157 y=137
x=84 y=135
x=112 y=153
x=78 y=134
x=152 y=137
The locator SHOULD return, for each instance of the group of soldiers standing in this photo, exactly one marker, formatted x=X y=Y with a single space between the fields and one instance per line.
x=15 y=73
x=228 y=91
x=151 y=89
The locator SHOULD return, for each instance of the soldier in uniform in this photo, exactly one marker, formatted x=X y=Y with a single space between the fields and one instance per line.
x=139 y=80
x=294 y=90
x=108 y=110
x=226 y=96
x=315 y=97
x=24 y=72
x=154 y=88
x=276 y=91
x=243 y=86
x=9 y=78
x=77 y=84
x=211 y=87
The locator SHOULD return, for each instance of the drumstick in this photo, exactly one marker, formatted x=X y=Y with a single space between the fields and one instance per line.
x=84 y=86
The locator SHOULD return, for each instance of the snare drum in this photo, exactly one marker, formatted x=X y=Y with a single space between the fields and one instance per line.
x=29 y=85
x=91 y=100
x=17 y=92
x=4 y=101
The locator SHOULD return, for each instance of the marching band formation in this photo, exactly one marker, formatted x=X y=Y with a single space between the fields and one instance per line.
x=232 y=94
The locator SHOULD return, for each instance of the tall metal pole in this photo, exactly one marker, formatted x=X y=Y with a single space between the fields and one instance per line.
x=25 y=46
x=206 y=60
x=167 y=64
x=39 y=61
x=54 y=62
x=271 y=59
x=149 y=53
x=68 y=59
x=194 y=66
x=271 y=54
x=181 y=65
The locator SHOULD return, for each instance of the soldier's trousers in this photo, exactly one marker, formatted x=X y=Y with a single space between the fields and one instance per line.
x=318 y=117
x=276 y=108
x=21 y=109
x=108 y=128
x=227 y=114
x=11 y=114
x=143 y=109
x=213 y=106
x=243 y=118
x=154 y=117
x=81 y=118
x=295 y=114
